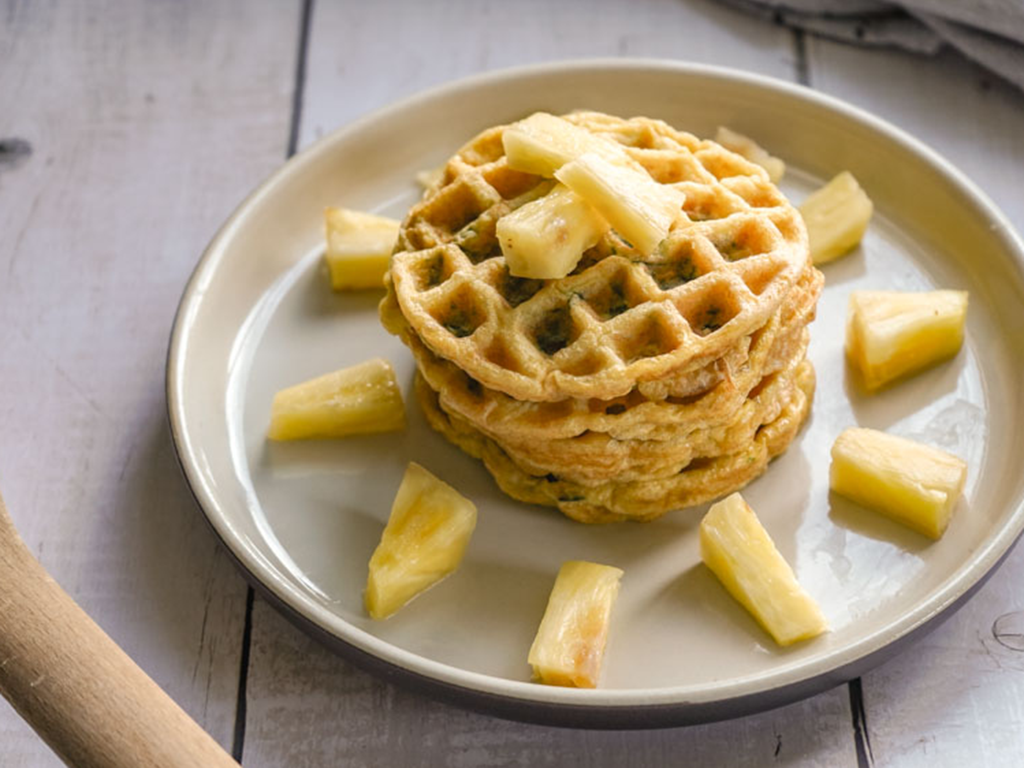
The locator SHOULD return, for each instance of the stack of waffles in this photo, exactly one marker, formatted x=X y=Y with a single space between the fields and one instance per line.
x=640 y=382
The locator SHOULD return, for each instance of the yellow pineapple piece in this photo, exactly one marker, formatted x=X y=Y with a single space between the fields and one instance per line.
x=890 y=334
x=739 y=551
x=358 y=400
x=569 y=646
x=545 y=238
x=641 y=209
x=836 y=216
x=914 y=484
x=359 y=247
x=543 y=143
x=754 y=152
x=424 y=541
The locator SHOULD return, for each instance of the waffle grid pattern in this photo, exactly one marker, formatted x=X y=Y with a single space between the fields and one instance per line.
x=704 y=397
x=621 y=317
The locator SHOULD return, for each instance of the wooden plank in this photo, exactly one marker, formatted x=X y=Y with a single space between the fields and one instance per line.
x=365 y=55
x=956 y=696
x=305 y=706
x=147 y=123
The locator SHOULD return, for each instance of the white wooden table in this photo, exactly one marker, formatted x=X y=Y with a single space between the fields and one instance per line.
x=129 y=131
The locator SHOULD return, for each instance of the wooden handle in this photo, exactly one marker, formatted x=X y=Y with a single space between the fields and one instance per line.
x=76 y=687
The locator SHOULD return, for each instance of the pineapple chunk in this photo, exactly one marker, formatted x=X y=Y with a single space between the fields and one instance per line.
x=569 y=646
x=543 y=143
x=424 y=541
x=358 y=400
x=890 y=334
x=913 y=484
x=739 y=551
x=641 y=209
x=545 y=239
x=754 y=152
x=836 y=217
x=359 y=246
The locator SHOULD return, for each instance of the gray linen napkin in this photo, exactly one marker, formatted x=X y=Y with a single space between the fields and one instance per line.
x=990 y=32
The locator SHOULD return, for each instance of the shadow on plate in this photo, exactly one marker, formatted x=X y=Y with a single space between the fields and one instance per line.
x=874 y=525
x=904 y=397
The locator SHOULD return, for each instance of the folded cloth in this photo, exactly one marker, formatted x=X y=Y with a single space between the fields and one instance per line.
x=990 y=32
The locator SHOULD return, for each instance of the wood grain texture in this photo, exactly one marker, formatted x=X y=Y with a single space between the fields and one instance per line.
x=957 y=698
x=140 y=126
x=363 y=56
x=305 y=706
x=308 y=709
x=80 y=692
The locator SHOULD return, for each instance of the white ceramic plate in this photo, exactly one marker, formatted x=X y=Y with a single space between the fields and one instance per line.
x=302 y=519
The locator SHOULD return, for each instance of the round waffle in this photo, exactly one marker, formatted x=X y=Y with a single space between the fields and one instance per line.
x=716 y=390
x=621 y=318
x=593 y=458
x=700 y=481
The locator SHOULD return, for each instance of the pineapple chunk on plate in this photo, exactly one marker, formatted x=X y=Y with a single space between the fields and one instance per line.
x=890 y=334
x=739 y=551
x=545 y=239
x=359 y=247
x=914 y=484
x=836 y=216
x=641 y=209
x=543 y=143
x=358 y=400
x=569 y=647
x=424 y=541
x=754 y=152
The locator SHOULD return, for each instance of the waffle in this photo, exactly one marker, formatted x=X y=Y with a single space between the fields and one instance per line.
x=594 y=458
x=715 y=392
x=621 y=318
x=644 y=500
x=640 y=382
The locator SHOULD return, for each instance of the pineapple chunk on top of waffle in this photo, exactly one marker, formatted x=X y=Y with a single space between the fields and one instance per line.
x=623 y=316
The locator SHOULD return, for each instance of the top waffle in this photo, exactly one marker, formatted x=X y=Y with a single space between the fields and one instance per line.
x=621 y=317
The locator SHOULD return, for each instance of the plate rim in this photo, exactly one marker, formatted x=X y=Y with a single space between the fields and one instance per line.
x=528 y=701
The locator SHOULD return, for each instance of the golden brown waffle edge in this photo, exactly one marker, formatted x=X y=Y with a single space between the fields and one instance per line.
x=644 y=500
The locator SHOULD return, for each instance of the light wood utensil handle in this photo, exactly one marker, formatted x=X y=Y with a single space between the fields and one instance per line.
x=76 y=687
